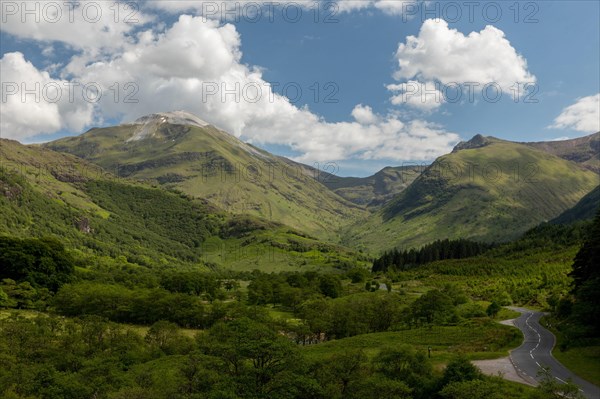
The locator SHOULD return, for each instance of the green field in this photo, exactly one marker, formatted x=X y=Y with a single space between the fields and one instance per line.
x=478 y=340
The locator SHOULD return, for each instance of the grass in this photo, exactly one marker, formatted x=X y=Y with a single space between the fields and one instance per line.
x=507 y=314
x=277 y=249
x=479 y=340
x=279 y=314
x=28 y=314
x=139 y=329
x=512 y=389
x=583 y=360
x=143 y=330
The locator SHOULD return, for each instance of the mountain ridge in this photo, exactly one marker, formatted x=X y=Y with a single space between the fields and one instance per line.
x=103 y=218
x=487 y=188
x=582 y=150
x=492 y=191
x=585 y=209
x=206 y=162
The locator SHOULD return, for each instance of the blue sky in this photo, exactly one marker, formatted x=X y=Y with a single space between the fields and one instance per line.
x=562 y=50
x=352 y=60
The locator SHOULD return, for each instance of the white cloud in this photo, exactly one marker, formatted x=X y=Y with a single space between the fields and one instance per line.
x=417 y=140
x=353 y=5
x=188 y=50
x=247 y=10
x=448 y=56
x=396 y=7
x=81 y=25
x=424 y=96
x=364 y=115
x=583 y=116
x=34 y=103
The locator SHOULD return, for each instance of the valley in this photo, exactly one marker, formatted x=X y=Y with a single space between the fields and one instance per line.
x=198 y=255
x=342 y=199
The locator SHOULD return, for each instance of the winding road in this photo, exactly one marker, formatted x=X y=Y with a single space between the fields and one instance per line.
x=536 y=352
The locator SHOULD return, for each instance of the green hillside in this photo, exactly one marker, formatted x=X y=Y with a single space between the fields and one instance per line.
x=205 y=162
x=108 y=219
x=584 y=210
x=487 y=190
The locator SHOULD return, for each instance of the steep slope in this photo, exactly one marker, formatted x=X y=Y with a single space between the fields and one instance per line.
x=46 y=193
x=585 y=209
x=177 y=150
x=486 y=189
x=104 y=219
x=583 y=151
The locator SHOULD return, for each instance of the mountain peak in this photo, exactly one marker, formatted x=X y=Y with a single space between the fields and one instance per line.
x=148 y=124
x=173 y=117
x=477 y=141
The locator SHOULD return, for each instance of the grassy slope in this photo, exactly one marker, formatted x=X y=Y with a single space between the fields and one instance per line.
x=478 y=339
x=586 y=208
x=211 y=164
x=582 y=150
x=528 y=277
x=511 y=188
x=45 y=193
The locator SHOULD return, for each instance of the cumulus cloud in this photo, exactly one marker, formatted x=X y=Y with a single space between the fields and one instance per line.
x=195 y=65
x=448 y=56
x=91 y=25
x=34 y=103
x=363 y=114
x=583 y=116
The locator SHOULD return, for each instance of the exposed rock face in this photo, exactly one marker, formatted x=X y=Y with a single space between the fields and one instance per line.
x=149 y=124
x=68 y=176
x=477 y=141
x=584 y=151
x=83 y=224
x=10 y=192
x=174 y=118
x=9 y=188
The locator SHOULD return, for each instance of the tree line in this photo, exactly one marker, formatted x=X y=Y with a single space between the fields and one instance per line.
x=399 y=260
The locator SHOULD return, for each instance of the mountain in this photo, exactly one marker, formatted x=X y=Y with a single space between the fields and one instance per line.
x=104 y=219
x=178 y=150
x=585 y=209
x=583 y=151
x=487 y=189
x=373 y=191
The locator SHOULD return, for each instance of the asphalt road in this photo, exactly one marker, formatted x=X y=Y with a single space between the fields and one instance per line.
x=536 y=352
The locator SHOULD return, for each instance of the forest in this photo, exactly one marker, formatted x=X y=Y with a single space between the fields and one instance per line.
x=437 y=250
